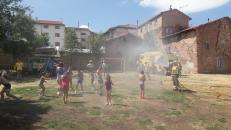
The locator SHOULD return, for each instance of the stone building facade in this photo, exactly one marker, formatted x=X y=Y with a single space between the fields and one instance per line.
x=165 y=23
x=120 y=30
x=203 y=49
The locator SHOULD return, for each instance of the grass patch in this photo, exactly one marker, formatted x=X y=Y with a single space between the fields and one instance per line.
x=175 y=97
x=118 y=98
x=212 y=128
x=145 y=122
x=222 y=120
x=61 y=125
x=26 y=91
x=93 y=128
x=160 y=128
x=95 y=113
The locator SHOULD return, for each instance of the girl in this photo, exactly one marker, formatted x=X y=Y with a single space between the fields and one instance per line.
x=100 y=79
x=108 y=84
x=65 y=87
x=79 y=78
x=7 y=86
x=43 y=79
x=141 y=82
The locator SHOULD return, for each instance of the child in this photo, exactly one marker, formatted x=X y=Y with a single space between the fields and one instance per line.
x=79 y=78
x=100 y=79
x=41 y=83
x=65 y=87
x=141 y=82
x=7 y=86
x=108 y=84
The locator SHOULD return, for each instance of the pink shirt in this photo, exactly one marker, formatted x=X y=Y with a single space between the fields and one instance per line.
x=64 y=83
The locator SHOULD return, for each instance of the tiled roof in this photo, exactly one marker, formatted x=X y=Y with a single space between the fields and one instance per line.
x=49 y=22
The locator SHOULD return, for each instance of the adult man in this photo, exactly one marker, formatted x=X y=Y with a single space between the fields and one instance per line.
x=175 y=75
x=19 y=68
x=90 y=68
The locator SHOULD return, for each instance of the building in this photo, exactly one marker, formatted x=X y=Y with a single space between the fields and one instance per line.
x=119 y=31
x=55 y=30
x=203 y=49
x=122 y=52
x=165 y=23
x=82 y=33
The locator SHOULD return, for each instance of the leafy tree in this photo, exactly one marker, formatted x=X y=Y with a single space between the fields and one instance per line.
x=71 y=41
x=17 y=35
x=95 y=43
x=40 y=40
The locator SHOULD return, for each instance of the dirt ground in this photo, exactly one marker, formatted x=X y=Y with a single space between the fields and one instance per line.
x=204 y=105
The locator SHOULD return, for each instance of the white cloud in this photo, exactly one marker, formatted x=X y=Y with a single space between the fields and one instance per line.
x=188 y=6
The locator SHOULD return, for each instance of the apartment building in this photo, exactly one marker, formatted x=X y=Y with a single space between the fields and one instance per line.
x=83 y=32
x=55 y=30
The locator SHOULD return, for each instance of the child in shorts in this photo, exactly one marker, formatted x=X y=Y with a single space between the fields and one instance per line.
x=65 y=87
x=108 y=85
x=79 y=78
x=43 y=79
x=141 y=83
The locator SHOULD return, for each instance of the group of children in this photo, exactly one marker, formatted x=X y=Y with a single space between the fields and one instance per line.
x=64 y=79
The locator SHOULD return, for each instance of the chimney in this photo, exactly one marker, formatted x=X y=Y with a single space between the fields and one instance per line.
x=78 y=23
x=88 y=25
x=208 y=20
x=170 y=7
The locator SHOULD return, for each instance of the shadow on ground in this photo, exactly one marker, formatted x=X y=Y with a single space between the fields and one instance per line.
x=20 y=115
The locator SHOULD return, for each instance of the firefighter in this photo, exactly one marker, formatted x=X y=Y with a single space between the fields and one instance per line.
x=175 y=75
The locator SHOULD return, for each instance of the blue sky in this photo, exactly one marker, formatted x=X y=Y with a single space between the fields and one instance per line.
x=103 y=14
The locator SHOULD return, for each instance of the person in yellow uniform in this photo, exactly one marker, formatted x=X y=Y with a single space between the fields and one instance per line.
x=175 y=75
x=19 y=68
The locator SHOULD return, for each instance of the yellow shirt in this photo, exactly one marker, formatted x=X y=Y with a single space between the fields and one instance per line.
x=19 y=66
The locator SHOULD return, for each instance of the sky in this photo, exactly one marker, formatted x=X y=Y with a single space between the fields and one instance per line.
x=103 y=14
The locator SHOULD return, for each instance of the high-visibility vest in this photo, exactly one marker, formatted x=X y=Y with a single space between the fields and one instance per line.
x=175 y=70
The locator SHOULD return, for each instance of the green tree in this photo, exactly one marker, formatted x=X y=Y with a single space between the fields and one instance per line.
x=17 y=35
x=95 y=43
x=71 y=41
x=40 y=40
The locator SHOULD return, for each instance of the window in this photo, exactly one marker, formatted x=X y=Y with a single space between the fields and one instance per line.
x=46 y=26
x=220 y=63
x=83 y=33
x=222 y=45
x=83 y=39
x=226 y=27
x=57 y=35
x=207 y=45
x=57 y=27
x=57 y=43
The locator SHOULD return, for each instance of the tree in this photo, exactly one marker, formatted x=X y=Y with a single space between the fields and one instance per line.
x=95 y=43
x=71 y=41
x=40 y=40
x=17 y=35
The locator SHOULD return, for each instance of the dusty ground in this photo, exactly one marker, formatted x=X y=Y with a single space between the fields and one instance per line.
x=206 y=107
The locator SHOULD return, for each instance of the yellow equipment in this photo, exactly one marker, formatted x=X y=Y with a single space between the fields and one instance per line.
x=154 y=60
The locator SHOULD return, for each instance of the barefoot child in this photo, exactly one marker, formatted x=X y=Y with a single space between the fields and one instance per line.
x=108 y=84
x=43 y=79
x=79 y=78
x=65 y=87
x=141 y=82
